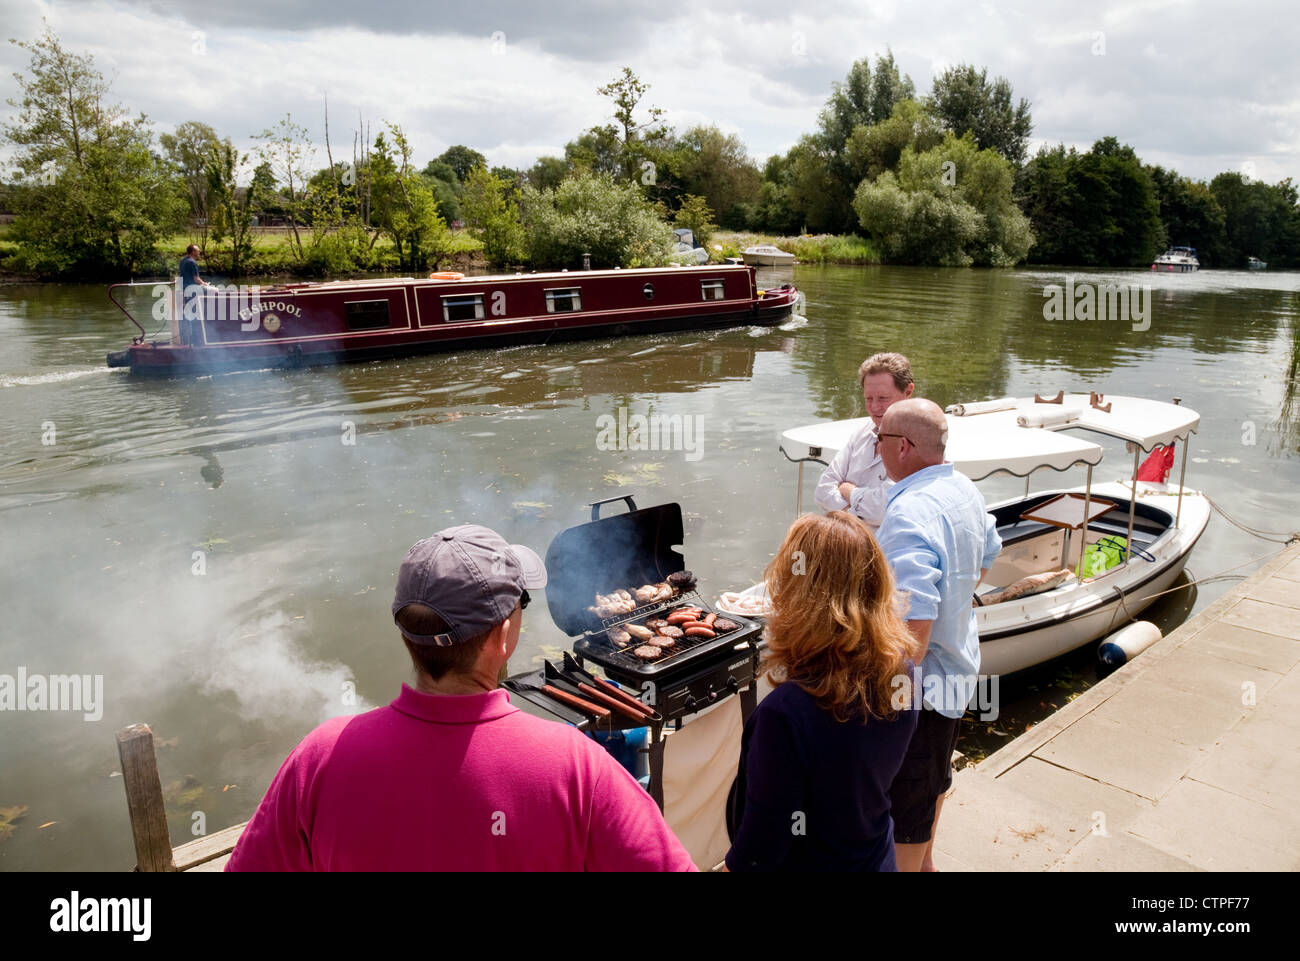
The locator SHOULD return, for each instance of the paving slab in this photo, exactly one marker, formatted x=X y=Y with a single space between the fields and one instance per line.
x=1274 y=591
x=1120 y=852
x=1159 y=709
x=1214 y=679
x=1291 y=571
x=1268 y=651
x=994 y=828
x=1260 y=761
x=1221 y=831
x=1080 y=796
x=1262 y=616
x=1148 y=765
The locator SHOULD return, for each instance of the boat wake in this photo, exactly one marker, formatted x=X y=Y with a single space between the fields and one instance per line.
x=54 y=377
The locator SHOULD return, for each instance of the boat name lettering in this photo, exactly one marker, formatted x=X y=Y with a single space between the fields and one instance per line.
x=293 y=310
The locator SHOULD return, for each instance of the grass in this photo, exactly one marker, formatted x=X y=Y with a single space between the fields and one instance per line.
x=807 y=249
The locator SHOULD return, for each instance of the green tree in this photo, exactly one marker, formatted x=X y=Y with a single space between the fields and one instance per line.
x=462 y=160
x=716 y=166
x=188 y=151
x=493 y=217
x=286 y=150
x=871 y=150
x=592 y=213
x=403 y=204
x=446 y=185
x=547 y=172
x=695 y=215
x=231 y=207
x=963 y=99
x=627 y=91
x=1260 y=220
x=1190 y=214
x=99 y=198
x=951 y=205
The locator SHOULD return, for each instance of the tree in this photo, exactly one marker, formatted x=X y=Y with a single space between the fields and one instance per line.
x=593 y=213
x=188 y=151
x=493 y=217
x=716 y=166
x=627 y=92
x=404 y=208
x=951 y=205
x=231 y=206
x=696 y=216
x=872 y=150
x=1190 y=214
x=462 y=160
x=963 y=100
x=547 y=172
x=98 y=197
x=286 y=149
x=445 y=183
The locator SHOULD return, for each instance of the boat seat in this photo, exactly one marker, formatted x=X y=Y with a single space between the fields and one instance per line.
x=1022 y=531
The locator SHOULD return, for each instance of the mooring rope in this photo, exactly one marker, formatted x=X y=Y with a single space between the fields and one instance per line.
x=1277 y=537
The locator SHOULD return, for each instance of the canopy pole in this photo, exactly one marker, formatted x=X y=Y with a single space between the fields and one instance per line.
x=1087 y=505
x=1026 y=485
x=798 y=495
x=1132 y=503
x=1182 y=475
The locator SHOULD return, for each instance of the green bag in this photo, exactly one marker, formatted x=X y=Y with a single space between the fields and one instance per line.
x=1102 y=556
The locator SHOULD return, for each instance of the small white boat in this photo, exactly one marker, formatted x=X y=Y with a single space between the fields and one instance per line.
x=765 y=255
x=1160 y=522
x=1178 y=260
x=1254 y=263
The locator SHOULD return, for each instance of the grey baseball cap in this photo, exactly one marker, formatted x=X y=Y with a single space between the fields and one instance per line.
x=470 y=576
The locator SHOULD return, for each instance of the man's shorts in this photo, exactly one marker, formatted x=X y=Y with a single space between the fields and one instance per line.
x=925 y=775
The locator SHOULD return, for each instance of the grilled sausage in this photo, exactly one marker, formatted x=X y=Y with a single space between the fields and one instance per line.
x=700 y=631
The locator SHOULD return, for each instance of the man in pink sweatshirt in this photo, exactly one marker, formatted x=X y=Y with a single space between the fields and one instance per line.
x=450 y=776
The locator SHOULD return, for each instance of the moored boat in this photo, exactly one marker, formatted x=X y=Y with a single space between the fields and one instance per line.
x=765 y=255
x=301 y=324
x=1178 y=260
x=1032 y=614
x=1254 y=263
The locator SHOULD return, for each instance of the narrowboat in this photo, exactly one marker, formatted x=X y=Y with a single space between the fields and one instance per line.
x=305 y=324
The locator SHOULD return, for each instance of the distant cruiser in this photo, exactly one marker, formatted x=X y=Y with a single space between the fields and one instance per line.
x=1177 y=260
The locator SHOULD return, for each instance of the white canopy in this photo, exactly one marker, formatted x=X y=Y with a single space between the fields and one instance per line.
x=983 y=444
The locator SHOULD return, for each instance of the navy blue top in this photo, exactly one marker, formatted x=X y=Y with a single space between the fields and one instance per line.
x=189 y=271
x=813 y=792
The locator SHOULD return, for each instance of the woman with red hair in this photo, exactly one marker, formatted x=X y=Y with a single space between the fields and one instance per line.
x=820 y=752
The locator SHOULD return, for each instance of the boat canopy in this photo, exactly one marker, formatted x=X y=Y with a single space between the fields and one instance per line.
x=1018 y=436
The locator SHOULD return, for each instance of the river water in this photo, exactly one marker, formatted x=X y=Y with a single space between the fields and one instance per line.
x=223 y=550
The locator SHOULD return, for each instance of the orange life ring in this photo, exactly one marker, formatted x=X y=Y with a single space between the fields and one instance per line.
x=446 y=275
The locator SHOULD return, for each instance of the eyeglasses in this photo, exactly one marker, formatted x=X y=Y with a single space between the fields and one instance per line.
x=903 y=436
x=523 y=600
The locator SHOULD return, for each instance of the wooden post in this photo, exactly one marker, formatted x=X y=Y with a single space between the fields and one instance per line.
x=144 y=799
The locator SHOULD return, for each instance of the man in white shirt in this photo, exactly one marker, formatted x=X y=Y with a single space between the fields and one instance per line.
x=856 y=480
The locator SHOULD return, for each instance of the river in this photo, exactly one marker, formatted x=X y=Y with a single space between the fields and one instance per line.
x=223 y=550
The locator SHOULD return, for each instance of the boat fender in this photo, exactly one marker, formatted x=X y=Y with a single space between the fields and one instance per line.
x=1127 y=643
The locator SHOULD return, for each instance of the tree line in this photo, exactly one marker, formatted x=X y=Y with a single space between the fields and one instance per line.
x=942 y=178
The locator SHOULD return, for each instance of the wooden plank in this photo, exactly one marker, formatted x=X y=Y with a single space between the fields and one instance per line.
x=201 y=850
x=144 y=799
x=216 y=864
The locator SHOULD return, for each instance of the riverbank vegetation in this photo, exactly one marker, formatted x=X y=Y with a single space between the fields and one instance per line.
x=887 y=175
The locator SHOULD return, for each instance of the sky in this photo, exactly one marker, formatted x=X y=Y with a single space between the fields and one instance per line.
x=1201 y=87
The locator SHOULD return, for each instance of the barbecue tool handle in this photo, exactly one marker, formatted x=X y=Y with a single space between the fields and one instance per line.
x=623 y=695
x=596 y=505
x=609 y=701
x=574 y=701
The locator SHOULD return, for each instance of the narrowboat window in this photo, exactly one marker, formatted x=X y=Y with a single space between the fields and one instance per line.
x=712 y=290
x=366 y=314
x=563 y=301
x=649 y=291
x=462 y=308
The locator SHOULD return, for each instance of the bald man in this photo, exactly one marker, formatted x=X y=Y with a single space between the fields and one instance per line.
x=940 y=542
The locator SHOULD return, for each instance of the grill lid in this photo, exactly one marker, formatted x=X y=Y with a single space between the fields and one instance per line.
x=620 y=551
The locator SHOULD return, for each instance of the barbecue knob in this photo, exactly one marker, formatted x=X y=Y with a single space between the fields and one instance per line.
x=733 y=684
x=690 y=703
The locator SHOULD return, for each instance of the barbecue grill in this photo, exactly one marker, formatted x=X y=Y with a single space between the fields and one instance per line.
x=627 y=551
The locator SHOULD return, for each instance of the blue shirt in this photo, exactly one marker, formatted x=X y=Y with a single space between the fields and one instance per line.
x=189 y=271
x=937 y=536
x=813 y=792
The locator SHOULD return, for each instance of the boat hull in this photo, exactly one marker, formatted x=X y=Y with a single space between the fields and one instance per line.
x=1029 y=631
x=310 y=324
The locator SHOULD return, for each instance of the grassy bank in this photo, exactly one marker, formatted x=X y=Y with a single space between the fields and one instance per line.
x=808 y=249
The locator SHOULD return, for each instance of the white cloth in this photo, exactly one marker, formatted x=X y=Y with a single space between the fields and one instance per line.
x=859 y=463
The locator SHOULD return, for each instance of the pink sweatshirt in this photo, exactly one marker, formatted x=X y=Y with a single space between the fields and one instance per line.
x=454 y=783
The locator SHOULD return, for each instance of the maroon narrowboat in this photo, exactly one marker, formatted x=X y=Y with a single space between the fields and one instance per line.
x=293 y=325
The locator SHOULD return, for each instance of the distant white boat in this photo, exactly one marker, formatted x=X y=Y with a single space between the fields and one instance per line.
x=1254 y=263
x=765 y=255
x=1178 y=260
